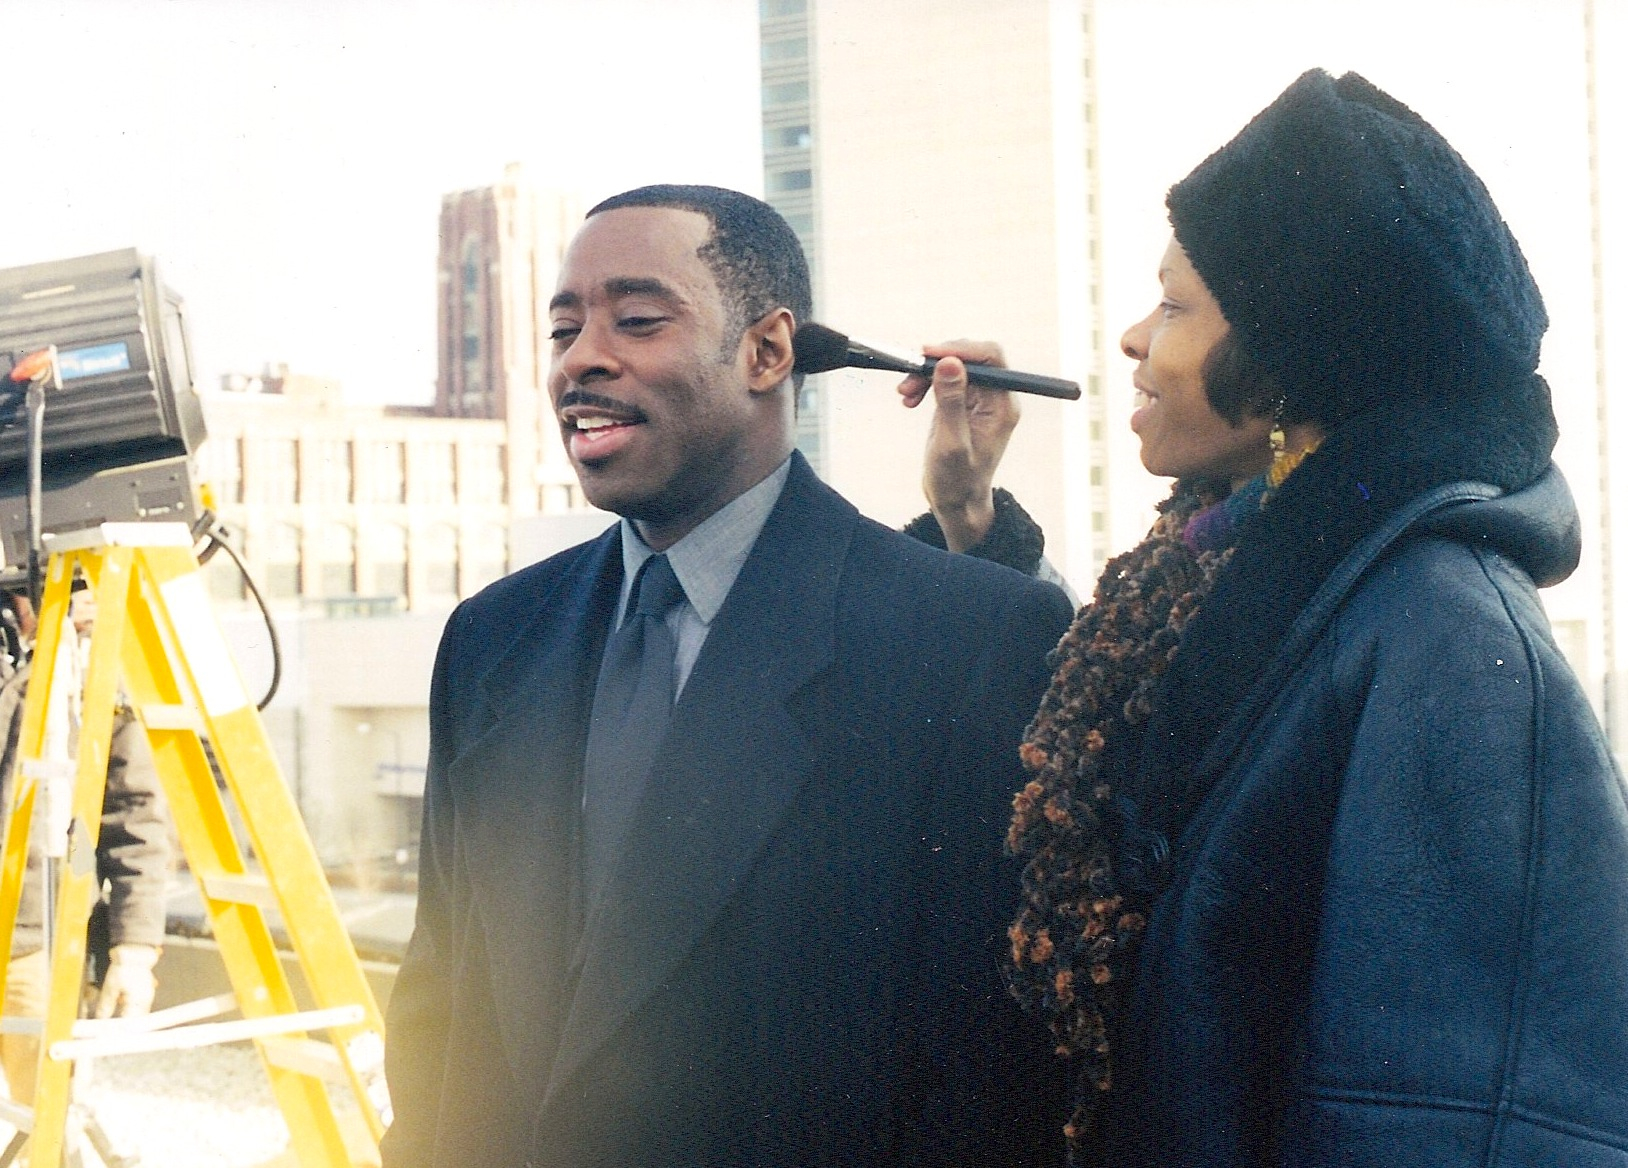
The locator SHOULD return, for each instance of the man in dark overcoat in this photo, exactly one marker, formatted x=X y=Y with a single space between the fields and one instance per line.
x=761 y=925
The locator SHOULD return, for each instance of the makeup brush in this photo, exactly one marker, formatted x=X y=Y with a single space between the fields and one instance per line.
x=819 y=349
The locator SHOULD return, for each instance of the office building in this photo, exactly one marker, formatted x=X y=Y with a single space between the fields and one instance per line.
x=937 y=200
x=500 y=249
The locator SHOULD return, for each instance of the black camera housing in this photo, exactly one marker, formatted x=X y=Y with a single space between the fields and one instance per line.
x=120 y=431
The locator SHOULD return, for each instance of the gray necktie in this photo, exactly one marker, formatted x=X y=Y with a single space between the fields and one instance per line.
x=633 y=704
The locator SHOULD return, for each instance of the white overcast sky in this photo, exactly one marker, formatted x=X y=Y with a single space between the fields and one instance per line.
x=285 y=159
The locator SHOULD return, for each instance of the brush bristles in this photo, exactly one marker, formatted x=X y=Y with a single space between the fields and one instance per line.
x=818 y=349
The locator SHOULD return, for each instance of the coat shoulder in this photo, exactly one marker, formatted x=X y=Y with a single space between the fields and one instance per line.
x=906 y=564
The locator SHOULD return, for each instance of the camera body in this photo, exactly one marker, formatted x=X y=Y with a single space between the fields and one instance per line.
x=120 y=432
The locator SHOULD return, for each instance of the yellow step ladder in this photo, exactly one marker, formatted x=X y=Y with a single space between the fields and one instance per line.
x=155 y=634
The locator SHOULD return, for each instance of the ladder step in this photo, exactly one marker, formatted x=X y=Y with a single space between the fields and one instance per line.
x=233 y=889
x=194 y=1011
x=206 y=1033
x=17 y=1115
x=46 y=769
x=305 y=1056
x=162 y=717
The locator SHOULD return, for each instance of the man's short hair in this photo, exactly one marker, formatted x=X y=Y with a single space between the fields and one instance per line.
x=753 y=253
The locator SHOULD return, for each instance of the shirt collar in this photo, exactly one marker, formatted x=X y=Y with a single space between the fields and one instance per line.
x=707 y=560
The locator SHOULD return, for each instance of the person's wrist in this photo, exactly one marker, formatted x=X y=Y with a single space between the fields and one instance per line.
x=965 y=524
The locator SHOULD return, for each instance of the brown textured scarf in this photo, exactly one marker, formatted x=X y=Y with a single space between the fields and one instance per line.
x=1085 y=900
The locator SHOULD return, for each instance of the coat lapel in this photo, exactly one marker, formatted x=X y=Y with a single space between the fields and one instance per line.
x=733 y=763
x=517 y=789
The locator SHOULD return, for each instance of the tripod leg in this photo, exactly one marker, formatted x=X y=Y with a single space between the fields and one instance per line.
x=9 y=1156
x=111 y=1156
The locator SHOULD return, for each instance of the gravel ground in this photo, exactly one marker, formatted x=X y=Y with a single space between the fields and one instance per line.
x=204 y=1108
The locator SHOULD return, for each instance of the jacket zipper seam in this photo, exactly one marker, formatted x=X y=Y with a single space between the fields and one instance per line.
x=1515 y=1031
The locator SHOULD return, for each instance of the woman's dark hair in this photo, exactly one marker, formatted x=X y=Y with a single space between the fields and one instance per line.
x=1238 y=386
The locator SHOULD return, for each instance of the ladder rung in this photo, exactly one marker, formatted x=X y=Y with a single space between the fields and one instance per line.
x=120 y=535
x=162 y=717
x=206 y=1033
x=305 y=1056
x=46 y=769
x=17 y=1115
x=255 y=890
x=194 y=1011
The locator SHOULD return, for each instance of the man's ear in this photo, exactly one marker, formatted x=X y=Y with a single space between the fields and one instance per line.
x=769 y=355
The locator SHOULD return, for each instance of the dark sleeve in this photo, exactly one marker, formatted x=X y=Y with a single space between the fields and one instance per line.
x=133 y=847
x=421 y=999
x=1014 y=539
x=1008 y=1089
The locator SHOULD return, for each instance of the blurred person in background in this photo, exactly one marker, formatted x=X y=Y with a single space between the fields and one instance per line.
x=1327 y=857
x=126 y=930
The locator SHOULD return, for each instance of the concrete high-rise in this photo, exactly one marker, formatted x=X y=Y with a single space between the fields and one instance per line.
x=937 y=199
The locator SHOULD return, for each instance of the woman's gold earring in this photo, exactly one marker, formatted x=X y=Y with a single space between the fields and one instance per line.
x=1283 y=462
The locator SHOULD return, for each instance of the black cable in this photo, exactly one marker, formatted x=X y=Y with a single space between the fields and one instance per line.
x=217 y=540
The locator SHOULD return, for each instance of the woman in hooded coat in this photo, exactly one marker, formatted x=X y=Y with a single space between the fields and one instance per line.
x=1327 y=857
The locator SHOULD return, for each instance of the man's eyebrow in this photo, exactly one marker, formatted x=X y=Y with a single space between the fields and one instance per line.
x=641 y=286
x=620 y=287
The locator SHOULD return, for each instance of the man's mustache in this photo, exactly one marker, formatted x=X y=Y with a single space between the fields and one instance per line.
x=611 y=405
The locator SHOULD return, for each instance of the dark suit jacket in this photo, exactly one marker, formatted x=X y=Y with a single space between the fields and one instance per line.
x=797 y=962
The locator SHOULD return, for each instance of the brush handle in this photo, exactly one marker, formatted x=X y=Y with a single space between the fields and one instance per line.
x=994 y=377
x=987 y=376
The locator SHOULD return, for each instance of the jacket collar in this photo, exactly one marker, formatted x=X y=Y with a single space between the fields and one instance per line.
x=1369 y=469
x=1466 y=511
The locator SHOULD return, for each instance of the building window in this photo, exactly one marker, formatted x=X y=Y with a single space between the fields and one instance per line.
x=389 y=543
x=769 y=9
x=225 y=579
x=387 y=475
x=785 y=93
x=474 y=324
x=788 y=138
x=330 y=460
x=791 y=180
x=785 y=49
x=488 y=556
x=282 y=561
x=1096 y=476
x=440 y=548
x=220 y=460
x=433 y=477
x=279 y=470
x=337 y=554
x=480 y=474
